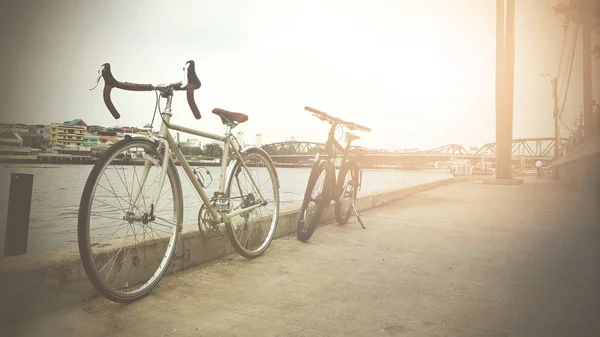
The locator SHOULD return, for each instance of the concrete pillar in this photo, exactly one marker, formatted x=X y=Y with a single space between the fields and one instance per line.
x=504 y=86
x=499 y=86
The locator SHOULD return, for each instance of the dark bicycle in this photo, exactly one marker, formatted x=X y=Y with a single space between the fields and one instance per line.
x=323 y=187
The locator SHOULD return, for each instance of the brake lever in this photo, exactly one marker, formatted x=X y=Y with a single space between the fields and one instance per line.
x=98 y=79
x=185 y=83
x=320 y=117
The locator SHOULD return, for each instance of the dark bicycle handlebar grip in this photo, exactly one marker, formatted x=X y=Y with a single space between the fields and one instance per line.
x=364 y=128
x=192 y=103
x=193 y=83
x=109 y=104
x=110 y=82
x=307 y=108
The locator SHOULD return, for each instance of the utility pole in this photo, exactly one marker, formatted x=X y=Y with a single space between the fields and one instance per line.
x=553 y=81
x=556 y=119
x=586 y=12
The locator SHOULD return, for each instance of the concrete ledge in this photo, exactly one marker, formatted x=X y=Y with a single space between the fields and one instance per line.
x=587 y=149
x=503 y=182
x=32 y=285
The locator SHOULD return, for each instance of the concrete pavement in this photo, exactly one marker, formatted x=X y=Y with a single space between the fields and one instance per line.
x=462 y=260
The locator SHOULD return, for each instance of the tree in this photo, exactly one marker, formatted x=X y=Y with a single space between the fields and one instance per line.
x=192 y=150
x=571 y=14
x=213 y=150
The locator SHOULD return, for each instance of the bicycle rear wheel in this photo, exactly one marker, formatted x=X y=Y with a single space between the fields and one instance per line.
x=316 y=199
x=251 y=233
x=348 y=181
x=126 y=243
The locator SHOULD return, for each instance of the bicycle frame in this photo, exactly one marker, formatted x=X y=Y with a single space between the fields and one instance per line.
x=331 y=145
x=170 y=145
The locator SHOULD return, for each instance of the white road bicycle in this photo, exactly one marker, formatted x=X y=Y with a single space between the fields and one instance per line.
x=131 y=211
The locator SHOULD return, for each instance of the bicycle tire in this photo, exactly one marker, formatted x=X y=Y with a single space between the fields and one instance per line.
x=306 y=227
x=83 y=225
x=352 y=169
x=233 y=173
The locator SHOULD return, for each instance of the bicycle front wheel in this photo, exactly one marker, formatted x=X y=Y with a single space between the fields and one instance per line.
x=129 y=220
x=316 y=199
x=252 y=184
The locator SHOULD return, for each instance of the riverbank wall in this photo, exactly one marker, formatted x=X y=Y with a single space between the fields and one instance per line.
x=31 y=285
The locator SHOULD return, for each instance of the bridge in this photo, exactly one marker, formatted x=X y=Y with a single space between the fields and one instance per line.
x=527 y=150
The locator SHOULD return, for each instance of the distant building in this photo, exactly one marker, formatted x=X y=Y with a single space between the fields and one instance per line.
x=96 y=151
x=70 y=133
x=259 y=140
x=120 y=136
x=94 y=129
x=11 y=148
x=46 y=133
x=194 y=142
x=129 y=129
x=75 y=122
x=14 y=127
x=33 y=139
x=107 y=136
x=32 y=135
x=240 y=137
x=90 y=140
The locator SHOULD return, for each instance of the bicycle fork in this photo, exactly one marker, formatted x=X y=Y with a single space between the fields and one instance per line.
x=131 y=216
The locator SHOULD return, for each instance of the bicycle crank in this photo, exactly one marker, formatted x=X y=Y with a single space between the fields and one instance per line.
x=207 y=226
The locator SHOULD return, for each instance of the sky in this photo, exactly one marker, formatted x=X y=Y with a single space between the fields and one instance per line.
x=419 y=73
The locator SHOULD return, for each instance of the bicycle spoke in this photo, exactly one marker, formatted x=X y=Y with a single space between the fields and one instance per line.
x=252 y=187
x=131 y=242
x=114 y=193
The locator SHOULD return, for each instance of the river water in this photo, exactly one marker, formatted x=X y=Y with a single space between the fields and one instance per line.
x=57 y=191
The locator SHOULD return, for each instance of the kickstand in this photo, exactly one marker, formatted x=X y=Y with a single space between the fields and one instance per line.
x=358 y=216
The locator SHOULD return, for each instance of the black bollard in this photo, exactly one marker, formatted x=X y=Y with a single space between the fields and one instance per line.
x=19 y=207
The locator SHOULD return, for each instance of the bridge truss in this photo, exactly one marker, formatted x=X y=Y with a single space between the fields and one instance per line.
x=295 y=148
x=291 y=148
x=450 y=150
x=525 y=147
x=542 y=148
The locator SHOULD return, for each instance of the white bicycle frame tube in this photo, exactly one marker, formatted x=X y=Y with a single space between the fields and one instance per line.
x=170 y=146
x=238 y=154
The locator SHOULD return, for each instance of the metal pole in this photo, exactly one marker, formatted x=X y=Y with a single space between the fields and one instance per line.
x=19 y=207
x=556 y=119
x=586 y=12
